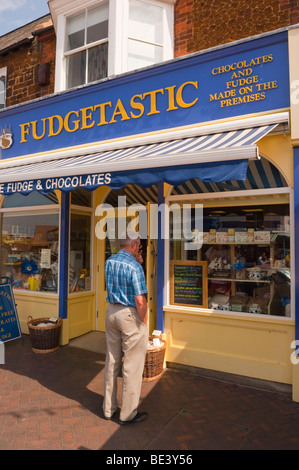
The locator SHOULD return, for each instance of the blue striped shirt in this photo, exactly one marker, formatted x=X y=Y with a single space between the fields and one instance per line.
x=124 y=279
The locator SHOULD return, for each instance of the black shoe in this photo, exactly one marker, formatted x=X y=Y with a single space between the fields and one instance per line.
x=137 y=418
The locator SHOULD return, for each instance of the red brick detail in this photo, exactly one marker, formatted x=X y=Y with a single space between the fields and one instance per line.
x=22 y=64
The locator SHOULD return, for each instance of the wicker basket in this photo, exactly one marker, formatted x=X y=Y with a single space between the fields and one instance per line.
x=154 y=360
x=44 y=339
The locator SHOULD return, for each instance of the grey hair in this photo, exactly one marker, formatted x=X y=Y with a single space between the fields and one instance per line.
x=127 y=237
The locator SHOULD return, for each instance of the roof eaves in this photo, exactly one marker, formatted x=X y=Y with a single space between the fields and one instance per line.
x=16 y=45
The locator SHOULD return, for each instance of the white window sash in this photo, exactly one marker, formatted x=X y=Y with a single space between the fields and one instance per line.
x=118 y=35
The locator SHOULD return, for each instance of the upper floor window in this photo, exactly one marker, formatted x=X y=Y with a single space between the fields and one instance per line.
x=104 y=38
x=145 y=34
x=3 y=72
x=86 y=46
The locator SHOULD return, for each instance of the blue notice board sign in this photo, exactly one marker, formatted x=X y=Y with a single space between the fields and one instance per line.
x=9 y=321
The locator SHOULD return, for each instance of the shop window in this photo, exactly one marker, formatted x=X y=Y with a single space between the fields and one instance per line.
x=80 y=252
x=243 y=264
x=29 y=249
x=107 y=38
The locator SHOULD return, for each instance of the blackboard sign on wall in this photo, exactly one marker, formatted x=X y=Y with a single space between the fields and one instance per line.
x=189 y=283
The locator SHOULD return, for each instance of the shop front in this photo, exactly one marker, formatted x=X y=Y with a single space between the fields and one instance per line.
x=200 y=148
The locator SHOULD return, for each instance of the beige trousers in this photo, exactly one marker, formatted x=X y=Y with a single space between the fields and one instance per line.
x=127 y=338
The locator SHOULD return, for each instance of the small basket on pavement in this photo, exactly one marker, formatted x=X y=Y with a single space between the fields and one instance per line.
x=44 y=334
x=154 y=360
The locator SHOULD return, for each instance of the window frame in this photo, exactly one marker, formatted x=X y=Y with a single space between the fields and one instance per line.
x=86 y=211
x=42 y=210
x=3 y=72
x=117 y=34
x=209 y=197
x=86 y=46
x=166 y=18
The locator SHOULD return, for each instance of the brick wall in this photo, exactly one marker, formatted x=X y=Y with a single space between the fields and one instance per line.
x=200 y=24
x=23 y=69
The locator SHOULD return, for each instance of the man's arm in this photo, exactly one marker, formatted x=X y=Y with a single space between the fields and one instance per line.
x=141 y=306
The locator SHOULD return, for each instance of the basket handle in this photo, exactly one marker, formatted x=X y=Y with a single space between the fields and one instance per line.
x=29 y=319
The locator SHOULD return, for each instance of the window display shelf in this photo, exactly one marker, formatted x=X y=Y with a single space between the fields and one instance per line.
x=222 y=279
x=17 y=263
x=256 y=272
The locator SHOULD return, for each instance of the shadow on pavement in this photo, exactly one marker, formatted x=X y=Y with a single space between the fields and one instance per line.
x=54 y=401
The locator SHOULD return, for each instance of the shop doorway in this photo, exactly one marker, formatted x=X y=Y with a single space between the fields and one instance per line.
x=118 y=218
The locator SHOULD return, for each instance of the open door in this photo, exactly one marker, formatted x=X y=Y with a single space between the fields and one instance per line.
x=107 y=248
x=151 y=276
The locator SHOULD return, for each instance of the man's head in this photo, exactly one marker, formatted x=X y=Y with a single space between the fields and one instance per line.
x=130 y=242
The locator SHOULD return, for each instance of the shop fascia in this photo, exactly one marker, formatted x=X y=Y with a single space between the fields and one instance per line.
x=240 y=79
x=97 y=115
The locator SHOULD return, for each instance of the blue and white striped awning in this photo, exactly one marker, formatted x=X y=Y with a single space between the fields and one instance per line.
x=214 y=157
x=261 y=174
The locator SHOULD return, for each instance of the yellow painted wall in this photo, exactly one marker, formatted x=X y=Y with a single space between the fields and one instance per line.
x=278 y=149
x=36 y=306
x=99 y=260
x=81 y=308
x=238 y=344
x=293 y=37
x=81 y=317
x=101 y=300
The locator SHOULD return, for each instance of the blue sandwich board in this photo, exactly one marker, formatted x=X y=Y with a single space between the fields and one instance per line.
x=9 y=321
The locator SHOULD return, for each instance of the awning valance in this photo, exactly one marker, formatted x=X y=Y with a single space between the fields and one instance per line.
x=211 y=158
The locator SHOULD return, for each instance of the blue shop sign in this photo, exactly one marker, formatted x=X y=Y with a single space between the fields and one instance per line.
x=242 y=79
x=9 y=321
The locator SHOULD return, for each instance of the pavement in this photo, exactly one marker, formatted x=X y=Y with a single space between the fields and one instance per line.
x=54 y=402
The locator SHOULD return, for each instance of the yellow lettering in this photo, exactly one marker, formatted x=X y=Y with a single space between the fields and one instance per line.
x=171 y=99
x=179 y=95
x=245 y=90
x=221 y=96
x=51 y=125
x=119 y=110
x=102 y=107
x=153 y=100
x=87 y=117
x=136 y=105
x=34 y=132
x=242 y=100
x=75 y=122
x=24 y=131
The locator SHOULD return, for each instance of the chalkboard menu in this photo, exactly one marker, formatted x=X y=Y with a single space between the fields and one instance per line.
x=189 y=283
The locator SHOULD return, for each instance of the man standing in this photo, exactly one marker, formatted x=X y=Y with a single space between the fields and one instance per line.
x=126 y=330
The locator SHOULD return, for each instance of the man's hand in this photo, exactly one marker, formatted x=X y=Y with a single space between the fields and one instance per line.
x=141 y=306
x=139 y=257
